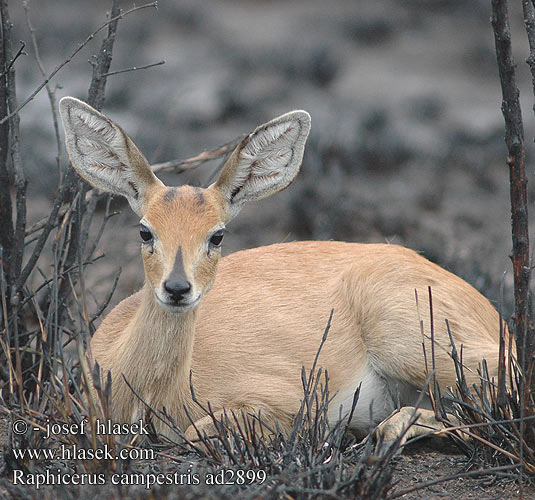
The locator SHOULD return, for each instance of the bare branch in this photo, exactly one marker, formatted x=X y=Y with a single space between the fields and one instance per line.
x=102 y=66
x=180 y=166
x=107 y=300
x=529 y=23
x=514 y=139
x=79 y=227
x=6 y=208
x=69 y=59
x=134 y=68
x=49 y=224
x=19 y=53
x=14 y=148
x=51 y=93
x=40 y=224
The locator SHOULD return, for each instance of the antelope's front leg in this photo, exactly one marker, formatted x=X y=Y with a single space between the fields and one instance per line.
x=396 y=425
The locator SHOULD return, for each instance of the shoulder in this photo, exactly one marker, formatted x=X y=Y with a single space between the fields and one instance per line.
x=119 y=317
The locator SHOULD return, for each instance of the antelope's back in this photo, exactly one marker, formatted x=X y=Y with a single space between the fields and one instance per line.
x=266 y=313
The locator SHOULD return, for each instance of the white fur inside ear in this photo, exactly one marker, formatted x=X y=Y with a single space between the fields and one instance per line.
x=101 y=152
x=98 y=139
x=96 y=147
x=269 y=159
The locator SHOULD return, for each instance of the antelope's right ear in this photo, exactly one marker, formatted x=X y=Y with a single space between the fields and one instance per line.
x=265 y=162
x=104 y=155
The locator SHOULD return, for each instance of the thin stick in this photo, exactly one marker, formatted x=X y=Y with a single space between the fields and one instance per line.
x=6 y=205
x=14 y=145
x=180 y=166
x=19 y=53
x=96 y=95
x=79 y=226
x=108 y=298
x=40 y=224
x=69 y=59
x=514 y=139
x=52 y=221
x=51 y=93
x=134 y=68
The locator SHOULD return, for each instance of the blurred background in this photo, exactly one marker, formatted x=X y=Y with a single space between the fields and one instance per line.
x=407 y=135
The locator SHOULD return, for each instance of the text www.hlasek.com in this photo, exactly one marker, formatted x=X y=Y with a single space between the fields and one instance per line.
x=76 y=453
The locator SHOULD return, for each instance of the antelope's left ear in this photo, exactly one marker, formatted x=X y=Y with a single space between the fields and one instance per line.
x=265 y=162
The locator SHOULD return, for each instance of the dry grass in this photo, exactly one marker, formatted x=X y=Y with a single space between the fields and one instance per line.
x=315 y=460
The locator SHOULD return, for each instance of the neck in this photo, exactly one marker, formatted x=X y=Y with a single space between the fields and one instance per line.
x=157 y=352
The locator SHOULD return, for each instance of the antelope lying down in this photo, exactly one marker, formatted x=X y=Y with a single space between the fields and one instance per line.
x=246 y=331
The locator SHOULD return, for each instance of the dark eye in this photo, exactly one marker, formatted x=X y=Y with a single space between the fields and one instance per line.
x=217 y=238
x=145 y=233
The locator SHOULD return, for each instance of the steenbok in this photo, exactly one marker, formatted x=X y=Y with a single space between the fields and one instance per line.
x=244 y=325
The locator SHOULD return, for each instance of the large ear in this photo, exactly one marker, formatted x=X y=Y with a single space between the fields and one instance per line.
x=104 y=155
x=265 y=162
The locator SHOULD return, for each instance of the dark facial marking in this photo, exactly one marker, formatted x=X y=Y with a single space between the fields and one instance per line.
x=178 y=272
x=237 y=189
x=200 y=196
x=134 y=188
x=125 y=137
x=77 y=147
x=169 y=195
x=235 y=192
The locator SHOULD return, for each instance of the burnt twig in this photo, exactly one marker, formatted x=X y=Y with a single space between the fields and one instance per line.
x=79 y=226
x=179 y=166
x=95 y=96
x=514 y=139
x=134 y=68
x=51 y=93
x=71 y=56
x=6 y=207
x=19 y=53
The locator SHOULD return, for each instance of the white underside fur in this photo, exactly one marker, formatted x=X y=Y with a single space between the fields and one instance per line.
x=378 y=398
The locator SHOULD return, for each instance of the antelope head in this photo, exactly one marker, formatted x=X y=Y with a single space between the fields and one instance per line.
x=182 y=228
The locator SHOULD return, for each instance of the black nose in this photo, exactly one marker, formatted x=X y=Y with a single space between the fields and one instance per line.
x=177 y=288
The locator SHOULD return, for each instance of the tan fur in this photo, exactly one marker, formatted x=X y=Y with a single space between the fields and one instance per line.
x=245 y=330
x=264 y=318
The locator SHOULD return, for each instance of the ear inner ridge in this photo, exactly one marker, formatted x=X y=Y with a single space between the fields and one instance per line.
x=270 y=150
x=103 y=154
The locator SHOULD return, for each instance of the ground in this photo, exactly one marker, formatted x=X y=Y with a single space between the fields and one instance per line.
x=428 y=462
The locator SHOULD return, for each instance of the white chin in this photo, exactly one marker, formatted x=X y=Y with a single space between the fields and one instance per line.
x=180 y=308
